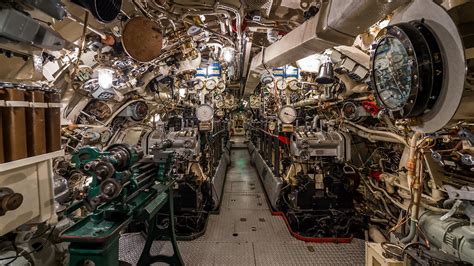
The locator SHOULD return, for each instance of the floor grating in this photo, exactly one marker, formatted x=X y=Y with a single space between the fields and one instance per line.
x=245 y=232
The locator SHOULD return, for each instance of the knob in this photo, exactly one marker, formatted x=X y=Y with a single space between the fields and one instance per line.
x=9 y=200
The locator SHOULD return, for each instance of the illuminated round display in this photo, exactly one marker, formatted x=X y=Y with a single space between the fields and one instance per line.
x=407 y=69
x=204 y=113
x=287 y=114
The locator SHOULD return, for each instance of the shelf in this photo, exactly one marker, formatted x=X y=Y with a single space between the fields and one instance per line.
x=30 y=160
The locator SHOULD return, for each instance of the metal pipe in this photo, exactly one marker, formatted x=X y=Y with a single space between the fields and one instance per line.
x=89 y=27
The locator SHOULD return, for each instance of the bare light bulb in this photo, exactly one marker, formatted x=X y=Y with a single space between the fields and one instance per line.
x=228 y=54
x=105 y=78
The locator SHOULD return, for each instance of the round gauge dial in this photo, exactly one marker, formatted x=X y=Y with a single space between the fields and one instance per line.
x=220 y=113
x=293 y=85
x=204 y=113
x=219 y=104
x=198 y=84
x=281 y=84
x=287 y=114
x=271 y=126
x=221 y=85
x=407 y=69
x=211 y=84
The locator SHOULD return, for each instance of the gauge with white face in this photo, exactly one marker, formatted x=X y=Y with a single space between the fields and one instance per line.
x=287 y=114
x=198 y=85
x=271 y=126
x=293 y=85
x=204 y=113
x=221 y=85
x=281 y=84
x=211 y=84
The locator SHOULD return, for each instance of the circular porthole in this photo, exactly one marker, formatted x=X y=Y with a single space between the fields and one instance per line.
x=407 y=69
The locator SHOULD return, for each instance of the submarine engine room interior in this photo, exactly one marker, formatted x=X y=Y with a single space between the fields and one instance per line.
x=251 y=132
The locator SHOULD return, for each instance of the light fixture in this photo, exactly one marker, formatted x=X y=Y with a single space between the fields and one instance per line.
x=182 y=92
x=310 y=63
x=105 y=77
x=228 y=54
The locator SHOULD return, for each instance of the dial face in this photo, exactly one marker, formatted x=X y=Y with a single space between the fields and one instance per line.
x=211 y=84
x=271 y=126
x=221 y=86
x=281 y=84
x=293 y=85
x=287 y=114
x=198 y=85
x=219 y=104
x=393 y=73
x=204 y=113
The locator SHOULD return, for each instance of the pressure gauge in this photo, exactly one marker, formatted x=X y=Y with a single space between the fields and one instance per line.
x=220 y=113
x=293 y=85
x=221 y=86
x=220 y=104
x=287 y=114
x=271 y=126
x=198 y=84
x=211 y=84
x=407 y=69
x=204 y=113
x=281 y=84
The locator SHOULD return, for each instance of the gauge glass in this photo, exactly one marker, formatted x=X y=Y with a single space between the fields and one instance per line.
x=211 y=84
x=293 y=85
x=393 y=73
x=287 y=114
x=198 y=85
x=204 y=113
x=221 y=85
x=281 y=84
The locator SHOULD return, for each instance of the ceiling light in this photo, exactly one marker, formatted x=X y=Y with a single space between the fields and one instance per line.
x=105 y=77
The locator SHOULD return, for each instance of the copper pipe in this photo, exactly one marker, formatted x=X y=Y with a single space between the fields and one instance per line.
x=53 y=123
x=35 y=123
x=14 y=122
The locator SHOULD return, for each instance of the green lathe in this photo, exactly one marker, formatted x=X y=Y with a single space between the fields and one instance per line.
x=125 y=187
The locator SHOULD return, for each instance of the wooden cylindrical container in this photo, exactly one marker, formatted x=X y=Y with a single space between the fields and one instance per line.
x=53 y=122
x=35 y=121
x=14 y=124
x=2 y=149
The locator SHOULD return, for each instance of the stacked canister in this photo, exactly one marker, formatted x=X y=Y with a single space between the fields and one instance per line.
x=29 y=123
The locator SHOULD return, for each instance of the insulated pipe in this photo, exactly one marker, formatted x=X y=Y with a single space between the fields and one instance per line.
x=102 y=35
x=373 y=137
x=378 y=132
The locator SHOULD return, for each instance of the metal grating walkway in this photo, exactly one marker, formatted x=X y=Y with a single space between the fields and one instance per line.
x=245 y=232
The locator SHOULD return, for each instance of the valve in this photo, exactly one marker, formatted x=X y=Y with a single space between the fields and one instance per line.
x=9 y=200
